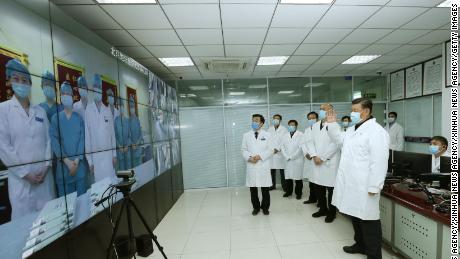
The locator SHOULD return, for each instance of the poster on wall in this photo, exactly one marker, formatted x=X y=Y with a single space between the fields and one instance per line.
x=6 y=54
x=153 y=91
x=175 y=148
x=414 y=81
x=66 y=71
x=159 y=124
x=131 y=93
x=108 y=83
x=397 y=85
x=447 y=63
x=162 y=96
x=432 y=76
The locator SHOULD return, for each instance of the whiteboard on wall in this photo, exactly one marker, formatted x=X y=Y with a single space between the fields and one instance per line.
x=432 y=76
x=447 y=60
x=414 y=81
x=397 y=85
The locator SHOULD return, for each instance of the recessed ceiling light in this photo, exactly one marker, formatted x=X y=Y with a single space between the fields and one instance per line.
x=357 y=95
x=313 y=84
x=306 y=1
x=177 y=62
x=360 y=59
x=257 y=86
x=295 y=95
x=126 y=1
x=447 y=3
x=237 y=93
x=270 y=61
x=199 y=87
x=191 y=95
x=285 y=92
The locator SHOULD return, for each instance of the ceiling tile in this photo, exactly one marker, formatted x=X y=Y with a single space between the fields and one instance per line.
x=335 y=17
x=346 y=49
x=433 y=19
x=246 y=15
x=184 y=70
x=288 y=74
x=244 y=36
x=242 y=50
x=425 y=3
x=434 y=37
x=285 y=35
x=360 y=2
x=278 y=50
x=408 y=50
x=294 y=68
x=136 y=52
x=268 y=68
x=436 y=50
x=327 y=35
x=200 y=36
x=370 y=66
x=301 y=60
x=402 y=36
x=387 y=59
x=146 y=16
x=63 y=2
x=346 y=67
x=287 y=15
x=313 y=49
x=156 y=37
x=168 y=51
x=206 y=50
x=92 y=16
x=322 y=66
x=193 y=15
x=150 y=62
x=314 y=72
x=366 y=35
x=166 y=2
x=392 y=17
x=331 y=59
x=117 y=37
x=248 y=1
x=379 y=49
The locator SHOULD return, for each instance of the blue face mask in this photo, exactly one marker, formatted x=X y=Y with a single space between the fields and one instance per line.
x=97 y=96
x=345 y=124
x=67 y=101
x=21 y=90
x=83 y=92
x=276 y=122
x=322 y=114
x=292 y=128
x=311 y=122
x=355 y=117
x=434 y=149
x=111 y=100
x=255 y=125
x=49 y=92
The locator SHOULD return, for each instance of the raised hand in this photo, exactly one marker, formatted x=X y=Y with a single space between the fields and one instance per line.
x=331 y=116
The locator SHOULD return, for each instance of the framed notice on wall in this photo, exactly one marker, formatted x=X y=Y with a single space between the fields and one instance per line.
x=414 y=81
x=6 y=54
x=397 y=85
x=432 y=76
x=66 y=71
x=131 y=93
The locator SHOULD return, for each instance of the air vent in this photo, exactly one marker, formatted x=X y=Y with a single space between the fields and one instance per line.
x=225 y=65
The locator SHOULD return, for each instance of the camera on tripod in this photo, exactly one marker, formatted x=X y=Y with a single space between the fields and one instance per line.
x=125 y=174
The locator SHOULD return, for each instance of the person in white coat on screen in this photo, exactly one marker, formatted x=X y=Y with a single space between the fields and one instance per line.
x=396 y=132
x=100 y=142
x=257 y=151
x=312 y=118
x=361 y=175
x=277 y=163
x=325 y=155
x=25 y=147
x=291 y=148
x=80 y=106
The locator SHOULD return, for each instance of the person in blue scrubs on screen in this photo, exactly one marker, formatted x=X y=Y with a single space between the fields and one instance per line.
x=123 y=137
x=67 y=133
x=49 y=90
x=136 y=135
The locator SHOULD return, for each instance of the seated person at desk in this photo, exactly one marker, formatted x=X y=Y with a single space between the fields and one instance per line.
x=438 y=148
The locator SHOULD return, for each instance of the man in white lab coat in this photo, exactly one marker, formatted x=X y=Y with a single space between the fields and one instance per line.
x=312 y=118
x=25 y=145
x=257 y=151
x=325 y=154
x=361 y=175
x=291 y=148
x=80 y=106
x=396 y=132
x=438 y=148
x=100 y=142
x=277 y=162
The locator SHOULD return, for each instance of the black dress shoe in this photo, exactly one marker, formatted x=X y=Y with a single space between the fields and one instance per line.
x=354 y=249
x=255 y=212
x=266 y=212
x=319 y=214
x=272 y=188
x=329 y=218
x=317 y=205
x=298 y=197
x=309 y=202
x=287 y=195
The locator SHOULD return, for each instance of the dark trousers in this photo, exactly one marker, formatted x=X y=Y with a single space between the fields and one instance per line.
x=265 y=198
x=290 y=186
x=325 y=203
x=283 y=180
x=312 y=196
x=368 y=236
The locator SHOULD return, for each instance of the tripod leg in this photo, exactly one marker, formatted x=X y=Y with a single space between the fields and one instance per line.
x=132 y=239
x=115 y=230
x=144 y=222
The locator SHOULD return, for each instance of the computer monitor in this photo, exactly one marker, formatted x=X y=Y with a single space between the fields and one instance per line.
x=445 y=164
x=409 y=163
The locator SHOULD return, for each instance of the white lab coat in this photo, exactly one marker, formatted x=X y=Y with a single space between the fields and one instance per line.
x=363 y=168
x=436 y=162
x=321 y=145
x=24 y=140
x=258 y=174
x=307 y=164
x=396 y=133
x=100 y=141
x=80 y=109
x=291 y=148
x=277 y=161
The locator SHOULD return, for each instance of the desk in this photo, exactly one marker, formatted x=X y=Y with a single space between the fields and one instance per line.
x=411 y=226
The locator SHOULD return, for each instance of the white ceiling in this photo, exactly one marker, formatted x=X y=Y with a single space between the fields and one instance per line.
x=318 y=38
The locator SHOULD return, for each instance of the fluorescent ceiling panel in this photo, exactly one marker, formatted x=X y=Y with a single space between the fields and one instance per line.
x=177 y=62
x=126 y=1
x=360 y=59
x=270 y=61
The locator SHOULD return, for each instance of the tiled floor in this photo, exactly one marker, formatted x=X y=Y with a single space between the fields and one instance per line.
x=217 y=224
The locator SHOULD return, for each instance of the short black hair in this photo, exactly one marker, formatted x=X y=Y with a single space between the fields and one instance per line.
x=262 y=119
x=295 y=122
x=393 y=113
x=441 y=139
x=365 y=103
x=281 y=118
x=314 y=113
x=346 y=117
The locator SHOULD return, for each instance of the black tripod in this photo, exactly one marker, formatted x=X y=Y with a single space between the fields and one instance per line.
x=125 y=188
